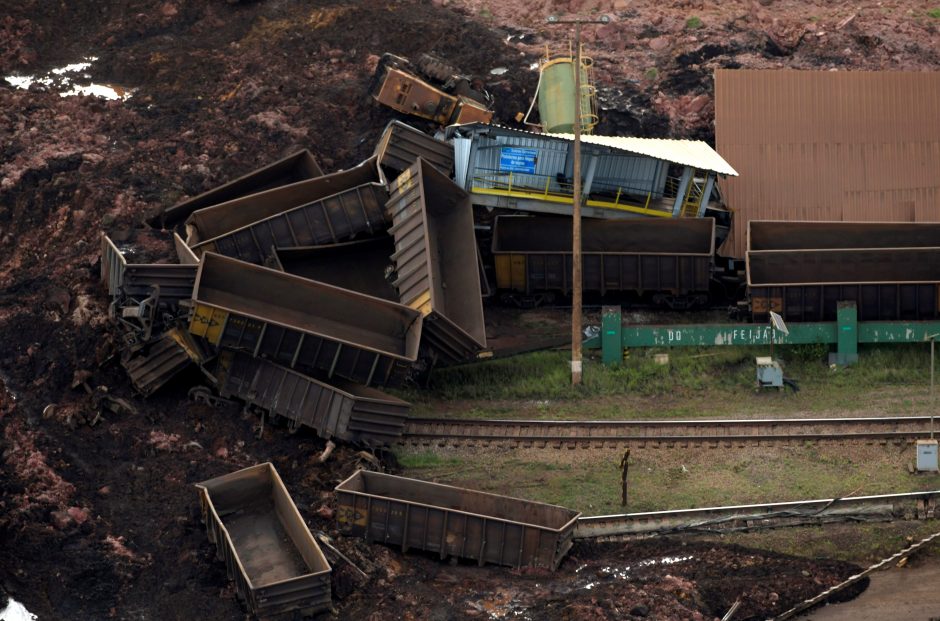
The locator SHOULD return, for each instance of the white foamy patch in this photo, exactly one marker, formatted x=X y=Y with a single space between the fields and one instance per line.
x=98 y=90
x=63 y=79
x=16 y=611
x=499 y=70
x=73 y=68
x=533 y=66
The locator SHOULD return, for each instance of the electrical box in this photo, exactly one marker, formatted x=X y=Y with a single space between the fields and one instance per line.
x=926 y=455
x=769 y=372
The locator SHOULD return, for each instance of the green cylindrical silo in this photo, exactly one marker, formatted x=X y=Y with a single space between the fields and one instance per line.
x=556 y=97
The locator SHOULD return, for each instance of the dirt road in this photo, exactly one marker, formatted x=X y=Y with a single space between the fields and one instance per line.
x=908 y=593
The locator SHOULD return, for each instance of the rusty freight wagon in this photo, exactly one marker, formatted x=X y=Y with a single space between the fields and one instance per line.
x=343 y=410
x=268 y=550
x=401 y=145
x=327 y=209
x=362 y=265
x=453 y=521
x=140 y=280
x=802 y=270
x=669 y=259
x=291 y=169
x=436 y=261
x=302 y=323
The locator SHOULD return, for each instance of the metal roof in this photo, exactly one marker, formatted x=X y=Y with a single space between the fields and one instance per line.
x=828 y=145
x=693 y=153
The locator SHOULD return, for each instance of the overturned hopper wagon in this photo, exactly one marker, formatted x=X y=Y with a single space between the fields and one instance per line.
x=291 y=169
x=269 y=553
x=670 y=259
x=453 y=521
x=436 y=261
x=302 y=323
x=342 y=410
x=401 y=145
x=802 y=270
x=139 y=280
x=322 y=210
x=360 y=265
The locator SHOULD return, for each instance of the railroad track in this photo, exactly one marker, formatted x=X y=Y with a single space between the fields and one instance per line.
x=885 y=507
x=667 y=433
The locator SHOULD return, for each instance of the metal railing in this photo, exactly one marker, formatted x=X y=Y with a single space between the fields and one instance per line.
x=555 y=189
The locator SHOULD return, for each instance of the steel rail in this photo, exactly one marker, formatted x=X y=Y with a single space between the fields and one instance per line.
x=908 y=505
x=460 y=431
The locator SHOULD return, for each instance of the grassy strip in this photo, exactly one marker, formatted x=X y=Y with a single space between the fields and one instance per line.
x=696 y=382
x=589 y=480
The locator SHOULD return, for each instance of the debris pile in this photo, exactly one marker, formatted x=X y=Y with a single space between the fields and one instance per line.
x=299 y=292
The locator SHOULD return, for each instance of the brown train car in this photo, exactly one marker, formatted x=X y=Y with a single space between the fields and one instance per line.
x=340 y=409
x=269 y=553
x=454 y=521
x=302 y=323
x=802 y=270
x=671 y=259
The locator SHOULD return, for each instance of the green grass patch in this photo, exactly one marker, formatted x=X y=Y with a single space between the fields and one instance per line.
x=697 y=382
x=693 y=23
x=934 y=13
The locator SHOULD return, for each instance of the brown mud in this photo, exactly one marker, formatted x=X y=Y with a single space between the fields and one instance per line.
x=101 y=521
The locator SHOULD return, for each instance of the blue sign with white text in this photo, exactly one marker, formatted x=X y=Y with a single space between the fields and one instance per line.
x=515 y=159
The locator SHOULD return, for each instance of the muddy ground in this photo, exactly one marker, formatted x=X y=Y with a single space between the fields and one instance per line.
x=101 y=521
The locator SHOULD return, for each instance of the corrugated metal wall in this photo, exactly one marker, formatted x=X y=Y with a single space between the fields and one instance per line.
x=828 y=145
x=612 y=170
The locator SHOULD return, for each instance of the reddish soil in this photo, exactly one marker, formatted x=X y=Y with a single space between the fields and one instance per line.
x=101 y=521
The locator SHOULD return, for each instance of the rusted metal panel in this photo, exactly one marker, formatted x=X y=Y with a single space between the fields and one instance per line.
x=828 y=145
x=363 y=265
x=436 y=260
x=302 y=323
x=291 y=169
x=268 y=550
x=401 y=144
x=454 y=521
x=641 y=255
x=151 y=367
x=233 y=215
x=774 y=235
x=184 y=253
x=802 y=270
x=138 y=280
x=342 y=409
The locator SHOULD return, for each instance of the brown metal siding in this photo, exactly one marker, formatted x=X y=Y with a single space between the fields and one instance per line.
x=820 y=145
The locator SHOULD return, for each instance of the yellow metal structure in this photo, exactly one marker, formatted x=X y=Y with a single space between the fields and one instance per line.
x=510 y=271
x=495 y=186
x=209 y=322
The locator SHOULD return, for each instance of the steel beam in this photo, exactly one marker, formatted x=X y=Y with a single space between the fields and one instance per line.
x=846 y=334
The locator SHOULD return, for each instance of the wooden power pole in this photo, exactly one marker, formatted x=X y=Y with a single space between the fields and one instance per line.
x=576 y=278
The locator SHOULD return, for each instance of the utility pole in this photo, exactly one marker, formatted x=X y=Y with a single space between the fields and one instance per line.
x=576 y=279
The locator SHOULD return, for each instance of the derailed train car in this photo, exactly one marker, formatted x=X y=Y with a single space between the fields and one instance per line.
x=454 y=521
x=671 y=260
x=339 y=409
x=437 y=270
x=276 y=565
x=303 y=323
x=324 y=210
x=802 y=270
x=293 y=168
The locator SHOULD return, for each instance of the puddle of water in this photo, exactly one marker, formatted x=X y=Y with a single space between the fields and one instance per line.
x=16 y=611
x=623 y=573
x=63 y=79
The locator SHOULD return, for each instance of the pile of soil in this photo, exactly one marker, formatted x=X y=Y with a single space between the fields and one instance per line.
x=101 y=520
